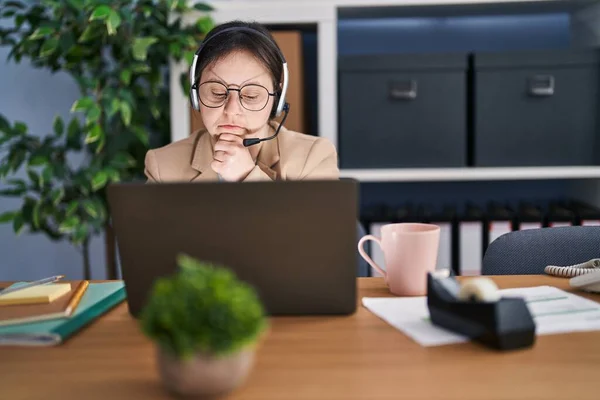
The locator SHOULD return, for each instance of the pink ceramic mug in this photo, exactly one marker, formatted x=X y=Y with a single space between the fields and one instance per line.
x=410 y=251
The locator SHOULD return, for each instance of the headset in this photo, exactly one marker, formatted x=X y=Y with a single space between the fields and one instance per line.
x=282 y=106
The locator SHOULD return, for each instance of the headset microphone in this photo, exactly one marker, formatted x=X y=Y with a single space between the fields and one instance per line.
x=253 y=141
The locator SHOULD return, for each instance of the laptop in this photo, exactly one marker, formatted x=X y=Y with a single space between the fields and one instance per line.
x=294 y=241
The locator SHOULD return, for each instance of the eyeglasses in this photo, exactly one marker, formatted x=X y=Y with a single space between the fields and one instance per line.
x=252 y=97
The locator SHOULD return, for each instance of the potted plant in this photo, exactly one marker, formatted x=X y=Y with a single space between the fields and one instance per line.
x=118 y=52
x=205 y=324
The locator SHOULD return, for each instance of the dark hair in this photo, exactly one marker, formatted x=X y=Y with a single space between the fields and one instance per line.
x=265 y=50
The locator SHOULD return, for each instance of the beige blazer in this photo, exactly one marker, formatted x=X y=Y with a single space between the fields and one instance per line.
x=290 y=156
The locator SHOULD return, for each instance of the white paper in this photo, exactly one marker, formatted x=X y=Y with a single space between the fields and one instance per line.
x=553 y=310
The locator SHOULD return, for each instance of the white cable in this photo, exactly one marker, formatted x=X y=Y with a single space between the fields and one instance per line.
x=573 y=270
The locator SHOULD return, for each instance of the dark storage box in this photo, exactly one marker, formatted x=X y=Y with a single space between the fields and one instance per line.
x=402 y=111
x=536 y=108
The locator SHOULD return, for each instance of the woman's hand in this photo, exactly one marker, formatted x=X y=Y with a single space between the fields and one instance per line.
x=231 y=159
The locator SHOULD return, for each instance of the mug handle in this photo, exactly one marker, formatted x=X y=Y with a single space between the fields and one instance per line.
x=366 y=256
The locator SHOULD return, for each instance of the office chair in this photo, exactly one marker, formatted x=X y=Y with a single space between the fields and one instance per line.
x=528 y=252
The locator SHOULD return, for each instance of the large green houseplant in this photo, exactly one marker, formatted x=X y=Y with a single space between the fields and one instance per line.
x=205 y=324
x=118 y=53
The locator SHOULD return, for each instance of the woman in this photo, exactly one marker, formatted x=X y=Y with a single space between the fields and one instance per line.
x=239 y=80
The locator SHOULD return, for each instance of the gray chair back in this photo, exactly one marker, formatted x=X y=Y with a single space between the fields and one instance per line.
x=528 y=252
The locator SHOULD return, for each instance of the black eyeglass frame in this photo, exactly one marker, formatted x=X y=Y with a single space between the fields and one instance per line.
x=196 y=88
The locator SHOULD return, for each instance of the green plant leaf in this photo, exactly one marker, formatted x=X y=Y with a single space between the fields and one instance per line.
x=90 y=32
x=140 y=47
x=83 y=104
x=141 y=134
x=93 y=113
x=126 y=113
x=69 y=224
x=40 y=33
x=122 y=160
x=20 y=127
x=101 y=12
x=80 y=233
x=35 y=217
x=94 y=134
x=4 y=124
x=205 y=24
x=34 y=177
x=57 y=195
x=49 y=47
x=140 y=68
x=47 y=175
x=125 y=76
x=77 y=4
x=14 y=4
x=113 y=174
x=38 y=160
x=58 y=125
x=202 y=7
x=18 y=224
x=189 y=57
x=71 y=208
x=91 y=208
x=99 y=180
x=113 y=22
x=8 y=216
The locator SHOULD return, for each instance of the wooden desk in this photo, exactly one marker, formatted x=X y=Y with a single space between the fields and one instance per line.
x=342 y=358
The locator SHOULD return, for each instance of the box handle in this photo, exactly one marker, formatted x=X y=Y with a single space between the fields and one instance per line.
x=403 y=90
x=541 y=85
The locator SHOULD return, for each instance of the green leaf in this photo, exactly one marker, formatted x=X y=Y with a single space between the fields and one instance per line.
x=13 y=192
x=126 y=113
x=141 y=134
x=125 y=76
x=38 y=160
x=93 y=113
x=94 y=134
x=202 y=7
x=49 y=47
x=205 y=24
x=113 y=22
x=8 y=216
x=14 y=4
x=115 y=106
x=101 y=12
x=113 y=174
x=90 y=32
x=91 y=209
x=18 y=223
x=73 y=128
x=83 y=104
x=69 y=224
x=4 y=124
x=77 y=4
x=20 y=127
x=57 y=195
x=140 y=47
x=122 y=160
x=34 y=177
x=47 y=175
x=40 y=33
x=72 y=207
x=189 y=57
x=35 y=218
x=99 y=180
x=140 y=68
x=59 y=126
x=81 y=233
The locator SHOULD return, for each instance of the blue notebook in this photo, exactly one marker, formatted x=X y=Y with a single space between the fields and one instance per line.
x=97 y=300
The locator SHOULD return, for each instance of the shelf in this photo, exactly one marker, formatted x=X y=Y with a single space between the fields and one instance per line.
x=470 y=174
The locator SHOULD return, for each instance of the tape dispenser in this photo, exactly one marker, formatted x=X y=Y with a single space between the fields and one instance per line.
x=476 y=310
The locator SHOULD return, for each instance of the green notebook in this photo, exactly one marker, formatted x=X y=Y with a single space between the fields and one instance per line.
x=97 y=300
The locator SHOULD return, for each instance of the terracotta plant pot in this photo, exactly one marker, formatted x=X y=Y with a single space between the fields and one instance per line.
x=204 y=375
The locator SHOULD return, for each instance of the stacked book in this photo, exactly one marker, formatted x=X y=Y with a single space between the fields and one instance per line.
x=48 y=314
